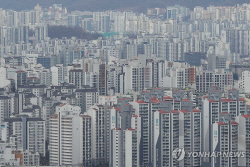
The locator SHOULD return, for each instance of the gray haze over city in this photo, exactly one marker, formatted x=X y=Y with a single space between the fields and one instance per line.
x=125 y=83
x=94 y=5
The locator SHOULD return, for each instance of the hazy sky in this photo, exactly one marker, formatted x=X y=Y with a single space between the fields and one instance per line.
x=93 y=5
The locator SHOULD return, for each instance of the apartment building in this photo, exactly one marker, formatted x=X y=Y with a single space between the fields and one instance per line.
x=29 y=133
x=86 y=97
x=132 y=143
x=76 y=77
x=98 y=134
x=166 y=137
x=66 y=136
x=225 y=139
x=243 y=122
x=87 y=159
x=116 y=148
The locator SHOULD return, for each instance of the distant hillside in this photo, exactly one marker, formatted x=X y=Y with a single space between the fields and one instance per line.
x=94 y=5
x=63 y=31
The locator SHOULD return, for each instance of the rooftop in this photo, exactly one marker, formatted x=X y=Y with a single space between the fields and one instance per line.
x=184 y=111
x=163 y=112
x=246 y=116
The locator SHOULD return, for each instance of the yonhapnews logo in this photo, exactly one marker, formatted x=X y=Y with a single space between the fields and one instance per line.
x=178 y=154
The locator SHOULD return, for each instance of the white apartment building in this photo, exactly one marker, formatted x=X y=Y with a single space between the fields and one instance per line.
x=116 y=150
x=30 y=158
x=145 y=108
x=58 y=74
x=244 y=138
x=125 y=149
x=245 y=81
x=158 y=71
x=91 y=79
x=196 y=135
x=225 y=139
x=213 y=106
x=137 y=78
x=98 y=134
x=66 y=136
x=132 y=142
x=177 y=75
x=210 y=116
x=4 y=81
x=6 y=156
x=166 y=137
x=132 y=150
x=190 y=135
x=185 y=132
x=119 y=23
x=176 y=78
x=142 y=109
x=6 y=107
